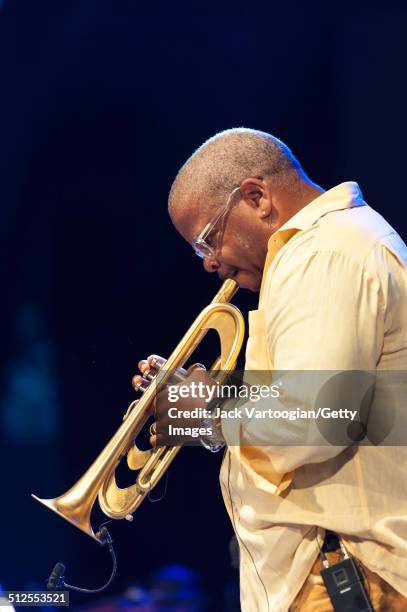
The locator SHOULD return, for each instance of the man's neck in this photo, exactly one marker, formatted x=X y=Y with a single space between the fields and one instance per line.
x=307 y=193
x=289 y=203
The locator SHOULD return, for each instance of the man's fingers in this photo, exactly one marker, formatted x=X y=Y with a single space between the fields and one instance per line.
x=138 y=381
x=195 y=366
x=153 y=440
x=155 y=361
x=156 y=440
x=143 y=365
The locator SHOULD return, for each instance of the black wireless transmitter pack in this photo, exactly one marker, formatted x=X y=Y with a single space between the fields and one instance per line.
x=345 y=587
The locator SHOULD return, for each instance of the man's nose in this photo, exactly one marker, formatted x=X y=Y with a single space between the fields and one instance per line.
x=210 y=264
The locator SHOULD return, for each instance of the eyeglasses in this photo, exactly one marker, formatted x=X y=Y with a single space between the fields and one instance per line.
x=201 y=244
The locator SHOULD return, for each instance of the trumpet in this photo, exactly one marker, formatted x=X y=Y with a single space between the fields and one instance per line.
x=99 y=480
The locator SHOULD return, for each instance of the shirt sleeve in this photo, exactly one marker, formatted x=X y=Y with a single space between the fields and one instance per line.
x=324 y=312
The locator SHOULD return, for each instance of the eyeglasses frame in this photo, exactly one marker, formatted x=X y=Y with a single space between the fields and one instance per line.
x=200 y=245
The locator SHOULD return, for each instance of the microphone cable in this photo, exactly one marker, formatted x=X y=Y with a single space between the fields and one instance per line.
x=56 y=581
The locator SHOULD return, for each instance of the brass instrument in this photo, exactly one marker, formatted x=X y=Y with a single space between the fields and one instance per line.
x=99 y=480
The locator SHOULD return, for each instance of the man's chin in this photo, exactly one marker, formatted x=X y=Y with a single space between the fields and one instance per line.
x=248 y=281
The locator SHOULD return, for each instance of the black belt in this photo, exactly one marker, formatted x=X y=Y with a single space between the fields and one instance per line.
x=331 y=542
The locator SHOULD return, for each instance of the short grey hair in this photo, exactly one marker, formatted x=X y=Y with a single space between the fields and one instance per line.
x=226 y=159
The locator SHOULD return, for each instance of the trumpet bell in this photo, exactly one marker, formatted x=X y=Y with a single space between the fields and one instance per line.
x=75 y=513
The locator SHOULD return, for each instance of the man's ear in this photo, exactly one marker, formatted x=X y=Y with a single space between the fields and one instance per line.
x=255 y=192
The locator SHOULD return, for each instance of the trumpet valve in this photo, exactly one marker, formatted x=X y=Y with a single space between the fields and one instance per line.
x=150 y=374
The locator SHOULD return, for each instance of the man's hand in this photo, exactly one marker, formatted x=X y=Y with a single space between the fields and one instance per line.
x=194 y=396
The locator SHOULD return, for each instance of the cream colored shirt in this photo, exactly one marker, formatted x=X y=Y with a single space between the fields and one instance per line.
x=333 y=297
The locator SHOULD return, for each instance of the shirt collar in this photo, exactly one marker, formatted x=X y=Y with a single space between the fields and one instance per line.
x=345 y=195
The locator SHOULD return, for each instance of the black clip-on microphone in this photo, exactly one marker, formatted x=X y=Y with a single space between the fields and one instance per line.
x=56 y=581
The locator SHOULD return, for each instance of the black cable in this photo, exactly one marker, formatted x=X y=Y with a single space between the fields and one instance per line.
x=322 y=554
x=236 y=532
x=164 y=493
x=57 y=581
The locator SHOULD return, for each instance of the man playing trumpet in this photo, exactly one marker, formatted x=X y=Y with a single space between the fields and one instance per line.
x=332 y=278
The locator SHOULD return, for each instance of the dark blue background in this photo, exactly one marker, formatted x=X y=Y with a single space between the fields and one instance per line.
x=100 y=104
